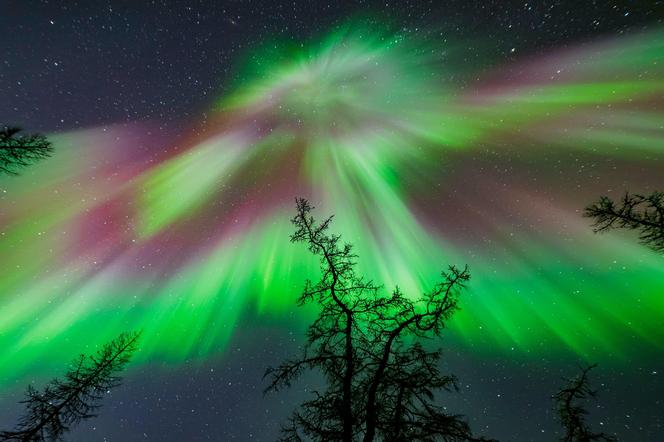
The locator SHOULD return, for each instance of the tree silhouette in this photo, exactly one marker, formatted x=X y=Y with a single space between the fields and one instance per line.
x=17 y=152
x=637 y=212
x=380 y=379
x=572 y=414
x=64 y=403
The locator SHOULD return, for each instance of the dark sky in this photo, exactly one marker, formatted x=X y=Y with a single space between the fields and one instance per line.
x=69 y=64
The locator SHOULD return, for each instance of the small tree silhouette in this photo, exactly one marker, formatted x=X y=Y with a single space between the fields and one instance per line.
x=64 y=403
x=17 y=152
x=637 y=212
x=572 y=414
x=380 y=379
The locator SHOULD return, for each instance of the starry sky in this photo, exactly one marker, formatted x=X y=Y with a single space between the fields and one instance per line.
x=475 y=133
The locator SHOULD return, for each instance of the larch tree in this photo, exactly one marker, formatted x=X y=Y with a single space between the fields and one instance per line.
x=645 y=214
x=380 y=380
x=572 y=413
x=64 y=403
x=17 y=151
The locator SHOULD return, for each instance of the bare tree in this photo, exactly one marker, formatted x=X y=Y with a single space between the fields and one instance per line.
x=17 y=151
x=636 y=212
x=572 y=414
x=64 y=403
x=381 y=381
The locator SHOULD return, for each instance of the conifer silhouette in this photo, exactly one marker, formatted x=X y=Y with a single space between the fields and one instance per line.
x=381 y=380
x=636 y=212
x=18 y=151
x=64 y=403
x=571 y=412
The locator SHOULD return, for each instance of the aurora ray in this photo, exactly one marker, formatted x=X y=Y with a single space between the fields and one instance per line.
x=122 y=230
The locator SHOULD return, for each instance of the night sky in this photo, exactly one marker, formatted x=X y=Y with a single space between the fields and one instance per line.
x=183 y=131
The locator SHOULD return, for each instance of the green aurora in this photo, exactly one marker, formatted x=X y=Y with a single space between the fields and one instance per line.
x=122 y=231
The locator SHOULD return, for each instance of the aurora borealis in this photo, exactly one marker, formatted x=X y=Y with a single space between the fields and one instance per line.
x=425 y=161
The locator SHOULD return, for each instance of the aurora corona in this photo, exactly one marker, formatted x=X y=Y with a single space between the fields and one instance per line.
x=124 y=229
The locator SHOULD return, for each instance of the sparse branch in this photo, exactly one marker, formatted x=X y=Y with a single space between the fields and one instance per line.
x=644 y=214
x=440 y=305
x=285 y=373
x=65 y=403
x=572 y=414
x=17 y=152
